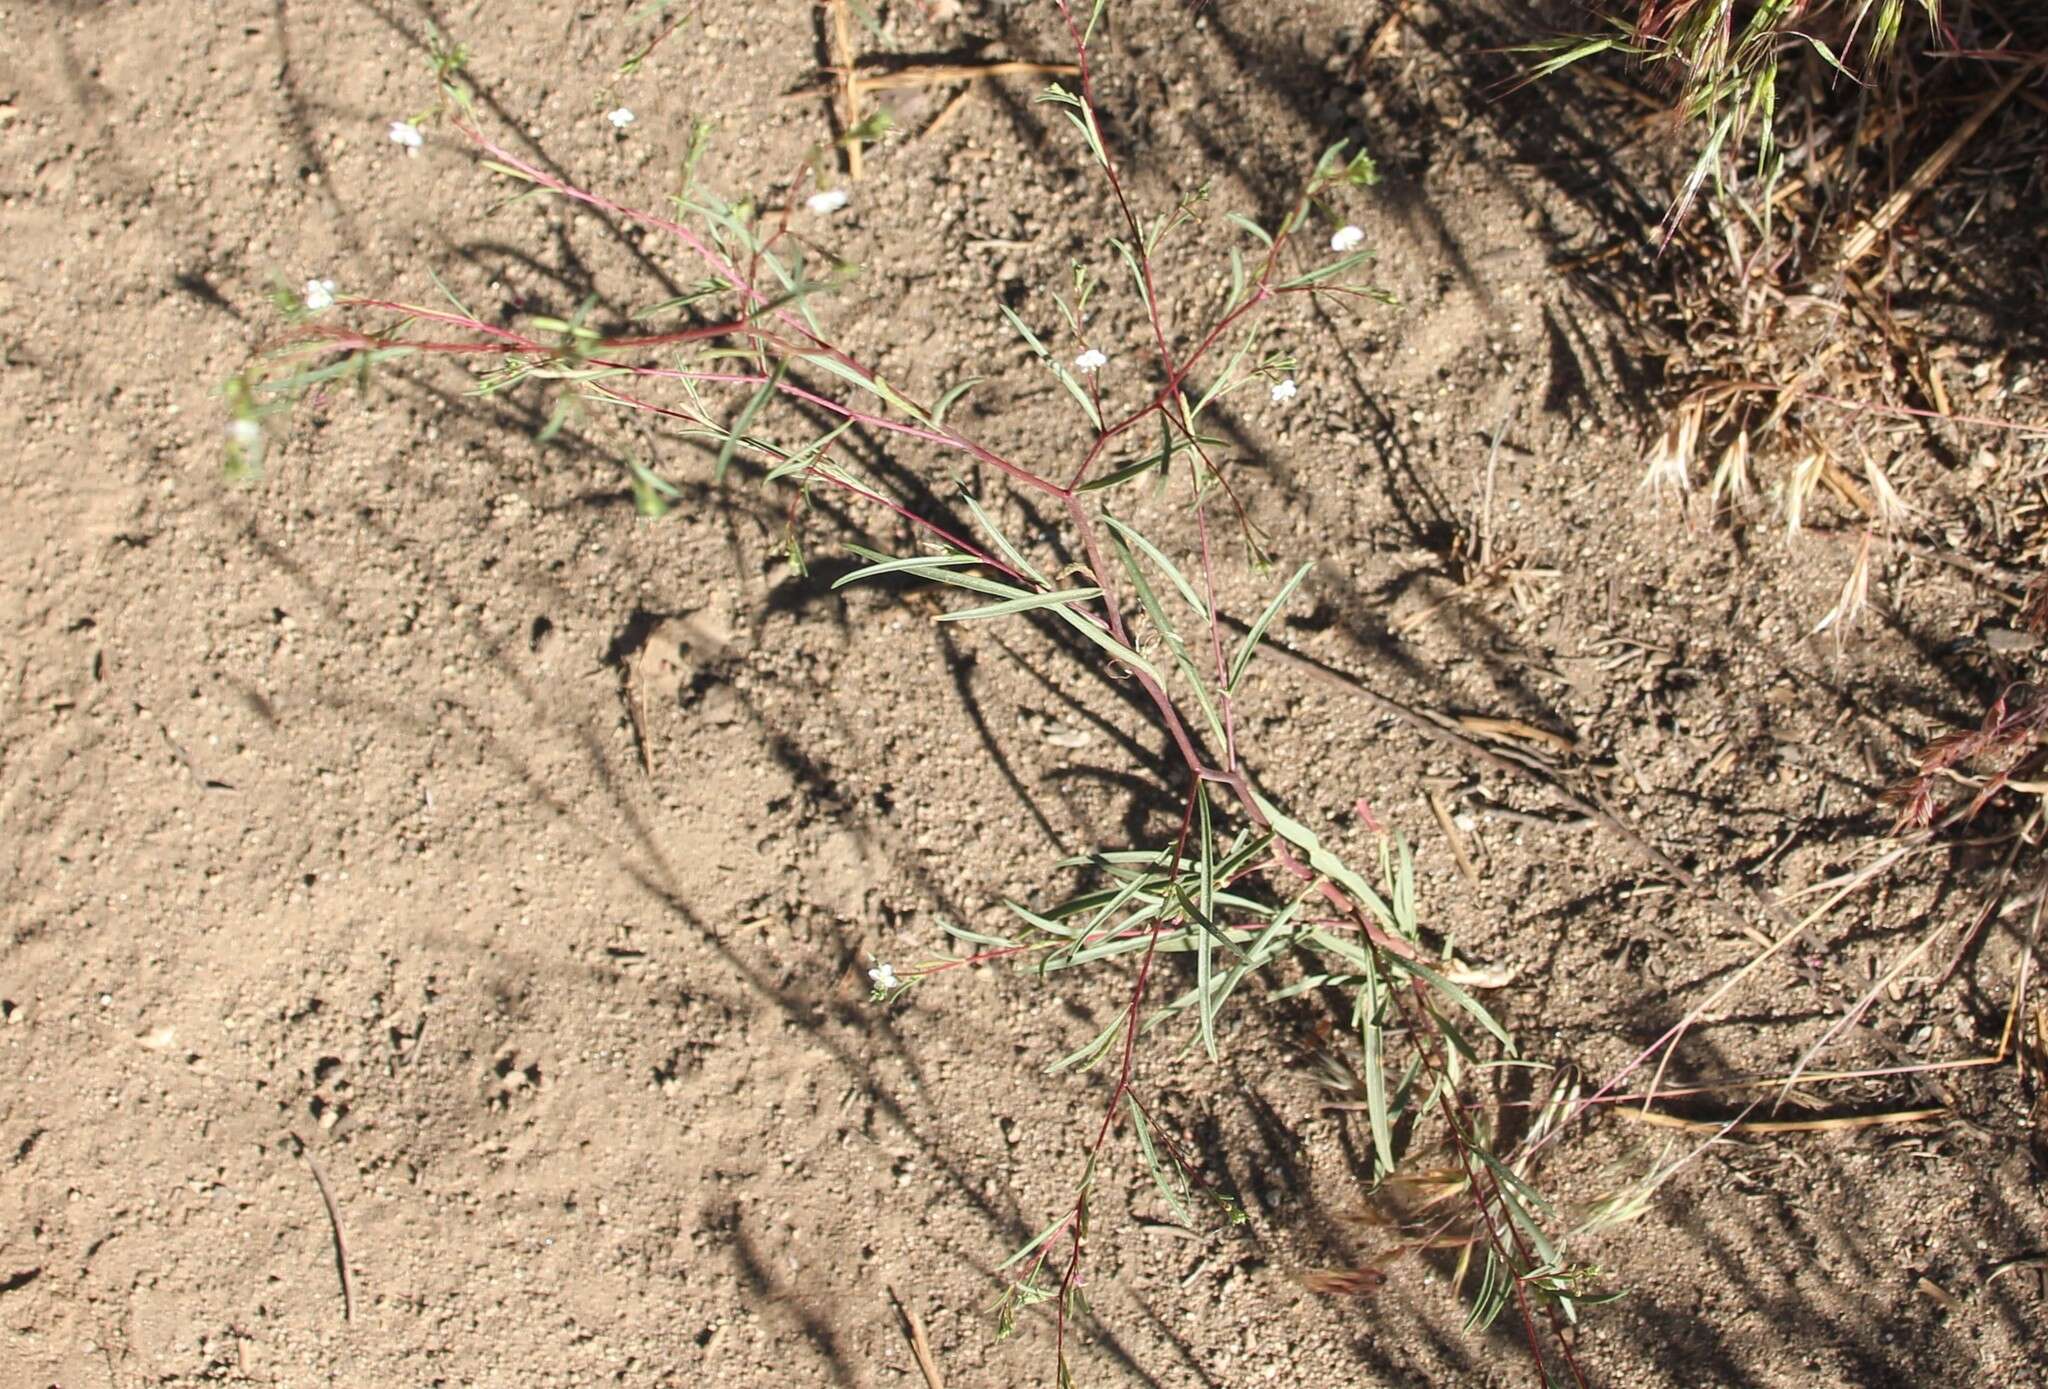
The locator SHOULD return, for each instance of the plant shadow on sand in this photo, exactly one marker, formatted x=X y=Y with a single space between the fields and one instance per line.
x=1242 y=74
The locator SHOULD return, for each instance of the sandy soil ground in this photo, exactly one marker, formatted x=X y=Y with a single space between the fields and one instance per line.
x=418 y=823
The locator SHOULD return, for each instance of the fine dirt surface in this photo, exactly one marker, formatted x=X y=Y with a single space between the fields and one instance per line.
x=418 y=819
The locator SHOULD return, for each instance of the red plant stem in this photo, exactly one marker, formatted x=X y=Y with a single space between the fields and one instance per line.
x=1109 y=1111
x=1906 y=412
x=1479 y=1177
x=1116 y=187
x=1106 y=581
x=844 y=484
x=1176 y=377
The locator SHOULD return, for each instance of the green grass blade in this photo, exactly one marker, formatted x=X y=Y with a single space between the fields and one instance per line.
x=1166 y=566
x=1458 y=996
x=1252 y=638
x=1323 y=861
x=746 y=417
x=1023 y=604
x=1002 y=543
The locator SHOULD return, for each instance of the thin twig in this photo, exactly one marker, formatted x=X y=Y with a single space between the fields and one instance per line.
x=1866 y=236
x=1454 y=837
x=947 y=112
x=348 y=1282
x=920 y=1344
x=849 y=94
x=941 y=74
x=1842 y=1123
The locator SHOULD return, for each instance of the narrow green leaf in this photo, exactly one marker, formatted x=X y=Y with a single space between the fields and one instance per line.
x=804 y=457
x=1249 y=225
x=1335 y=268
x=746 y=417
x=1204 y=950
x=1147 y=599
x=1323 y=861
x=1101 y=637
x=1002 y=543
x=1030 y=338
x=557 y=417
x=1091 y=1053
x=1027 y=603
x=1084 y=121
x=908 y=564
x=1166 y=566
x=1456 y=995
x=1079 y=393
x=1225 y=379
x=1404 y=893
x=1040 y=1238
x=975 y=937
x=652 y=495
x=1094 y=18
x=1252 y=638
x=1141 y=1128
x=1382 y=1124
x=947 y=400
x=507 y=170
x=1130 y=260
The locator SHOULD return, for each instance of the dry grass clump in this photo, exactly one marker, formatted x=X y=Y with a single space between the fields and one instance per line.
x=1727 y=61
x=1841 y=307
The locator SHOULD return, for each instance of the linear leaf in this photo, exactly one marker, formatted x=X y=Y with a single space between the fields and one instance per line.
x=1258 y=629
x=952 y=395
x=1101 y=637
x=1040 y=1238
x=1458 y=996
x=1025 y=603
x=908 y=564
x=1370 y=1036
x=1030 y=338
x=1130 y=259
x=746 y=417
x=1142 y=1129
x=1225 y=379
x=1002 y=543
x=1340 y=266
x=1322 y=860
x=975 y=937
x=803 y=458
x=1074 y=389
x=1249 y=225
x=1166 y=566
x=1087 y=1055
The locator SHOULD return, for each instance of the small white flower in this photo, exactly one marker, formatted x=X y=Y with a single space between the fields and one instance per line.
x=620 y=118
x=245 y=445
x=1090 y=361
x=831 y=200
x=884 y=977
x=407 y=134
x=1347 y=237
x=319 y=295
x=1285 y=390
